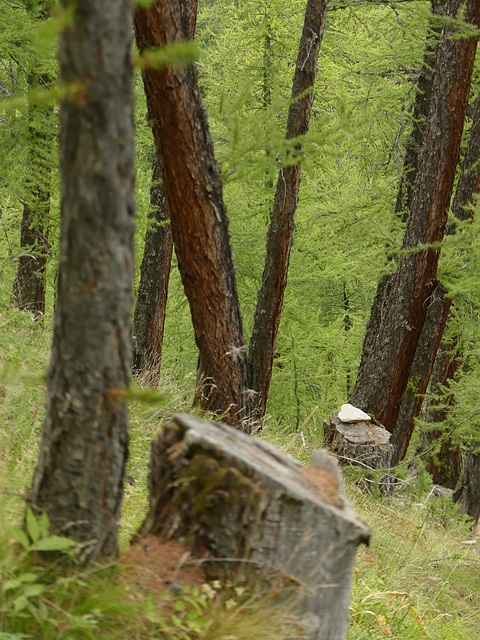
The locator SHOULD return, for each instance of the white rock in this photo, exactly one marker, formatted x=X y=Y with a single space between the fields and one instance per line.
x=349 y=413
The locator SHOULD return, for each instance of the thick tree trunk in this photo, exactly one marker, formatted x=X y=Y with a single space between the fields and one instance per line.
x=467 y=492
x=252 y=512
x=279 y=238
x=28 y=292
x=79 y=476
x=444 y=465
x=200 y=232
x=150 y=307
x=421 y=109
x=384 y=369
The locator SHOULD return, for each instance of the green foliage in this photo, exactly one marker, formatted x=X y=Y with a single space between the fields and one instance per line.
x=178 y=53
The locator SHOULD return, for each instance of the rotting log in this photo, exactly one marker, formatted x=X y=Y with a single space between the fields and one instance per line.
x=362 y=443
x=251 y=512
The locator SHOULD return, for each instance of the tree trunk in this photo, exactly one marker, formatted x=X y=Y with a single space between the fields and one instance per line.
x=200 y=232
x=149 y=315
x=438 y=309
x=444 y=465
x=252 y=512
x=79 y=476
x=28 y=292
x=467 y=492
x=421 y=108
x=150 y=307
x=279 y=237
x=384 y=370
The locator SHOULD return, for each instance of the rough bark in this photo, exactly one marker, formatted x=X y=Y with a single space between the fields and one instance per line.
x=438 y=309
x=28 y=292
x=151 y=303
x=469 y=179
x=257 y=514
x=384 y=370
x=280 y=233
x=78 y=480
x=200 y=232
x=421 y=107
x=150 y=307
x=467 y=492
x=444 y=465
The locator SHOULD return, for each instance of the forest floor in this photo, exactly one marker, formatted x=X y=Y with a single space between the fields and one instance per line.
x=420 y=577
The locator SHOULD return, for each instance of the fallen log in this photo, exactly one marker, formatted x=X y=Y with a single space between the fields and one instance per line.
x=250 y=511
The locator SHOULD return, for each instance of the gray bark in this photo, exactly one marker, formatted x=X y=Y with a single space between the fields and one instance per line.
x=257 y=513
x=360 y=443
x=467 y=491
x=79 y=476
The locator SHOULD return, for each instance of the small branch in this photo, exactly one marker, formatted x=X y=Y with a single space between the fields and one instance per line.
x=345 y=4
x=180 y=565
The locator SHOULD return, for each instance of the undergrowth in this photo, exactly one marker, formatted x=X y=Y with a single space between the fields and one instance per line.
x=419 y=578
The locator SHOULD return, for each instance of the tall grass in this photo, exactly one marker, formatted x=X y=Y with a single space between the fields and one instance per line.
x=417 y=580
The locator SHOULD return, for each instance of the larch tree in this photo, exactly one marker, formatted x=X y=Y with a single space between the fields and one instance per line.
x=433 y=365
x=200 y=231
x=151 y=302
x=79 y=476
x=280 y=232
x=445 y=465
x=396 y=325
x=200 y=234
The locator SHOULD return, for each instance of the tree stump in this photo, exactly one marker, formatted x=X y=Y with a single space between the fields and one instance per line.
x=362 y=443
x=253 y=512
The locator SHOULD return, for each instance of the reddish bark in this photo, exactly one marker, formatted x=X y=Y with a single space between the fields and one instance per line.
x=151 y=303
x=200 y=231
x=384 y=370
x=279 y=238
x=421 y=371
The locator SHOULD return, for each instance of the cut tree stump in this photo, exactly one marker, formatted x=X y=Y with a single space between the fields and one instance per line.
x=362 y=443
x=250 y=511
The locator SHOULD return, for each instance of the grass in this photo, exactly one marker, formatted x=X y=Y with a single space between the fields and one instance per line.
x=417 y=579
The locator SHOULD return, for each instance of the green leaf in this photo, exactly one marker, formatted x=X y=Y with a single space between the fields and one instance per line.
x=28 y=577
x=21 y=537
x=8 y=585
x=34 y=590
x=33 y=528
x=20 y=603
x=54 y=543
x=44 y=523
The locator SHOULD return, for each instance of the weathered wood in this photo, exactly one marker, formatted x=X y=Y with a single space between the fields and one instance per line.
x=257 y=513
x=362 y=442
